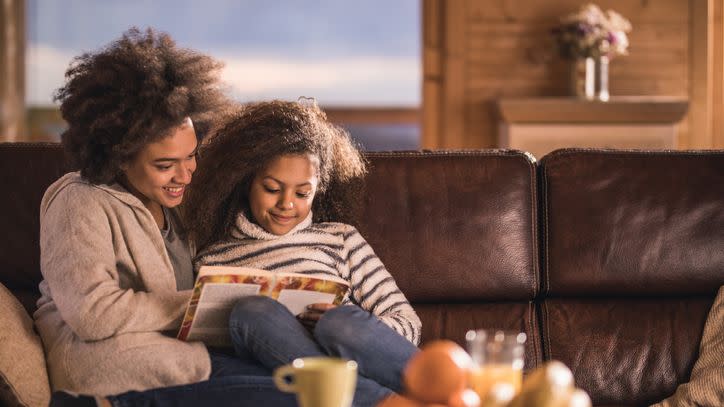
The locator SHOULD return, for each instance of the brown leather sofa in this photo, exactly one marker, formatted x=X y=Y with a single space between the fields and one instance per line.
x=608 y=260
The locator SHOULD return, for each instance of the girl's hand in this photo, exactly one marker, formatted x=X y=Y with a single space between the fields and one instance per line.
x=313 y=312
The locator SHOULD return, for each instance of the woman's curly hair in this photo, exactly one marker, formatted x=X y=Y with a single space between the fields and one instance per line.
x=131 y=93
x=246 y=142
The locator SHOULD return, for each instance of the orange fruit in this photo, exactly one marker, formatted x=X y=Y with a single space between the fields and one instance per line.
x=437 y=371
x=464 y=398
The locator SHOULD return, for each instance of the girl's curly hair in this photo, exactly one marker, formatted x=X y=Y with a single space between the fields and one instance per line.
x=131 y=93
x=246 y=142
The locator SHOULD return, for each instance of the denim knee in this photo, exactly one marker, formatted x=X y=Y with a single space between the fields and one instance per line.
x=338 y=326
x=251 y=309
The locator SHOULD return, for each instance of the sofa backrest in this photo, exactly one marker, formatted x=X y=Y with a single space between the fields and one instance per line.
x=608 y=260
x=26 y=170
x=633 y=249
x=458 y=231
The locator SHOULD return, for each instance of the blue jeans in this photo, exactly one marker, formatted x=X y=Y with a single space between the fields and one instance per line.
x=265 y=330
x=233 y=382
x=265 y=336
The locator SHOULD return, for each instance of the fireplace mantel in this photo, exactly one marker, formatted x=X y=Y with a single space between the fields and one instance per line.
x=540 y=125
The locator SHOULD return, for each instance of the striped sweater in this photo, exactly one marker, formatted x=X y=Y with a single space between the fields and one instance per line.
x=320 y=249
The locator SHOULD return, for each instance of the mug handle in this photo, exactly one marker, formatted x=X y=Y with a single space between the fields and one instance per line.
x=280 y=374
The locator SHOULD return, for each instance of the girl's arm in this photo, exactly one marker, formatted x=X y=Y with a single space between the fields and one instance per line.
x=375 y=290
x=78 y=263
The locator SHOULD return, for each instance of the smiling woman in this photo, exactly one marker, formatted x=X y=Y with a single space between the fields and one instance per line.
x=159 y=173
x=114 y=257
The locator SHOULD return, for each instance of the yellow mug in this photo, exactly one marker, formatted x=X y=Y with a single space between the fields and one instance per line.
x=319 y=381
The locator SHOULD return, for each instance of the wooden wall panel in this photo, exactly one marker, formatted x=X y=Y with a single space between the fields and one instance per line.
x=700 y=95
x=501 y=48
x=717 y=64
x=432 y=34
x=453 y=74
x=12 y=70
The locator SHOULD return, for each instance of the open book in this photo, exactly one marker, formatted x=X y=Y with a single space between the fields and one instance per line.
x=218 y=288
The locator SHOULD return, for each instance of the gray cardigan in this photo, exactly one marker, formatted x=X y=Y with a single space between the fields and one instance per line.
x=108 y=294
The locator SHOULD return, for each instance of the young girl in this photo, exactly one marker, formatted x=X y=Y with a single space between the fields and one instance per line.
x=270 y=182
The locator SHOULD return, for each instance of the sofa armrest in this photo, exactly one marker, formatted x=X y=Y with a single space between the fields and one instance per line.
x=23 y=373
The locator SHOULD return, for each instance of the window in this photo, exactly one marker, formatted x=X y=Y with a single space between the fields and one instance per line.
x=355 y=57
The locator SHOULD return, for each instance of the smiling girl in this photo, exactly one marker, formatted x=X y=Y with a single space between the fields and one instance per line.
x=272 y=181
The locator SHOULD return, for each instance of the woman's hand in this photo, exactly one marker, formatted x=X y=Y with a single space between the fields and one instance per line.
x=312 y=313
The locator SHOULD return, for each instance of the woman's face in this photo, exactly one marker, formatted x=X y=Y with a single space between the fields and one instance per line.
x=160 y=172
x=281 y=194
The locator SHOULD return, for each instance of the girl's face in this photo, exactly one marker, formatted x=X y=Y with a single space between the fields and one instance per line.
x=281 y=194
x=159 y=173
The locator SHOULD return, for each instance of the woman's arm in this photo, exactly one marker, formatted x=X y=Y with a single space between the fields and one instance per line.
x=78 y=262
x=375 y=290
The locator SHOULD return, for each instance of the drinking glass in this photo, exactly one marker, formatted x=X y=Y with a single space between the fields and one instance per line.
x=497 y=360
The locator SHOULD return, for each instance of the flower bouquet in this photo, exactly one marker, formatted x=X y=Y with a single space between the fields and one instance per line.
x=592 y=33
x=590 y=38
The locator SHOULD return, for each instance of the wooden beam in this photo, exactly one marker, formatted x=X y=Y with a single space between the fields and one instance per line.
x=700 y=77
x=453 y=80
x=12 y=70
x=432 y=38
x=718 y=78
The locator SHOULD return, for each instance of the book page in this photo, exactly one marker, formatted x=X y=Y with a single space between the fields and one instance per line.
x=224 y=295
x=325 y=277
x=211 y=322
x=296 y=291
x=308 y=283
x=297 y=300
x=218 y=288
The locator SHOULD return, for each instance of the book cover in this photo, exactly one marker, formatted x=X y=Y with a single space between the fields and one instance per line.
x=218 y=288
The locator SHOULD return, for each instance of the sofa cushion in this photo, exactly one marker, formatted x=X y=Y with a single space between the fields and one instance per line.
x=454 y=226
x=23 y=374
x=639 y=223
x=625 y=351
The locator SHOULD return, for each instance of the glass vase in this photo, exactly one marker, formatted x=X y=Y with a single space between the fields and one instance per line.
x=582 y=80
x=602 y=78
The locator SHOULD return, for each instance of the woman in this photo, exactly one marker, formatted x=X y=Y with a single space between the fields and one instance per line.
x=115 y=261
